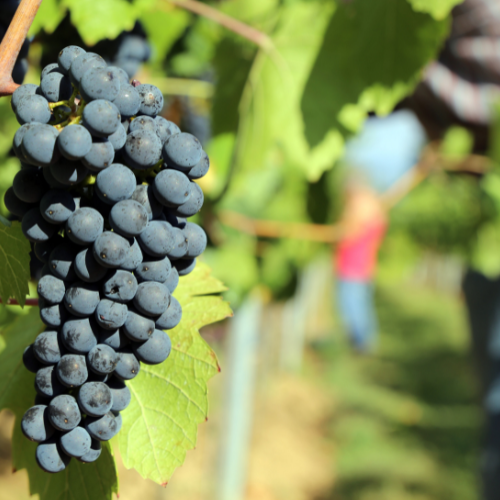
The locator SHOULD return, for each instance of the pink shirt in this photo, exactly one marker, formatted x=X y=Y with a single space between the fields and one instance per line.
x=356 y=257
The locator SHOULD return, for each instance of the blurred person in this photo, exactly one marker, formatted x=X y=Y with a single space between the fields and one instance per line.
x=461 y=88
x=375 y=160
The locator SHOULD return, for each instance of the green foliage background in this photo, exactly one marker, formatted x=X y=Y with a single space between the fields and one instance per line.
x=280 y=116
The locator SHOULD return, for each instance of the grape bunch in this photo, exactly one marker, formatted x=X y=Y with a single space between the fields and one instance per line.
x=104 y=192
x=7 y=10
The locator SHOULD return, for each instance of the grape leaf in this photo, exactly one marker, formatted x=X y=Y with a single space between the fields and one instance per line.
x=48 y=17
x=14 y=263
x=96 y=20
x=97 y=481
x=372 y=55
x=438 y=9
x=170 y=400
x=163 y=27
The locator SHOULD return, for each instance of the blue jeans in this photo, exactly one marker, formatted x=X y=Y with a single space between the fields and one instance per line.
x=355 y=300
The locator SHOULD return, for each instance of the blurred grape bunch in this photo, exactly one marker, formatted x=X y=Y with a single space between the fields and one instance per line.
x=445 y=213
x=7 y=10
x=128 y=51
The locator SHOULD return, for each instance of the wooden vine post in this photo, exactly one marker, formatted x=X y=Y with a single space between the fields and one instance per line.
x=13 y=41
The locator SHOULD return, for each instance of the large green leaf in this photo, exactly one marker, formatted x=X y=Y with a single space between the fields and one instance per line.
x=271 y=125
x=97 y=481
x=96 y=20
x=372 y=53
x=14 y=263
x=164 y=26
x=439 y=9
x=48 y=17
x=170 y=400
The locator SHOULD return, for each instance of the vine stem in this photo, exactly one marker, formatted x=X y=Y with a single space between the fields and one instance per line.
x=14 y=302
x=13 y=41
x=242 y=29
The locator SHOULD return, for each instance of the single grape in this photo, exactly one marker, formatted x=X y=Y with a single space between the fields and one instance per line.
x=35 y=228
x=95 y=399
x=157 y=239
x=182 y=151
x=144 y=195
x=56 y=206
x=29 y=185
x=100 y=83
x=81 y=299
x=115 y=183
x=180 y=245
x=127 y=101
x=142 y=149
x=52 y=289
x=46 y=382
x=52 y=315
x=82 y=63
x=111 y=315
x=84 y=226
x=72 y=370
x=76 y=443
x=16 y=206
x=79 y=335
x=23 y=90
x=184 y=266
x=121 y=394
x=32 y=108
x=128 y=365
x=133 y=47
x=200 y=169
x=93 y=454
x=102 y=359
x=69 y=172
x=101 y=117
x=35 y=424
x=87 y=268
x=171 y=317
x=133 y=258
x=155 y=350
x=111 y=249
x=46 y=347
x=143 y=123
x=20 y=68
x=64 y=413
x=196 y=240
x=165 y=129
x=39 y=145
x=61 y=262
x=17 y=142
x=151 y=99
x=137 y=327
x=118 y=139
x=56 y=86
x=154 y=270
x=128 y=218
x=113 y=338
x=49 y=456
x=172 y=188
x=67 y=56
x=194 y=203
x=74 y=142
x=100 y=156
x=102 y=428
x=120 y=286
x=29 y=360
x=152 y=299
x=130 y=66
